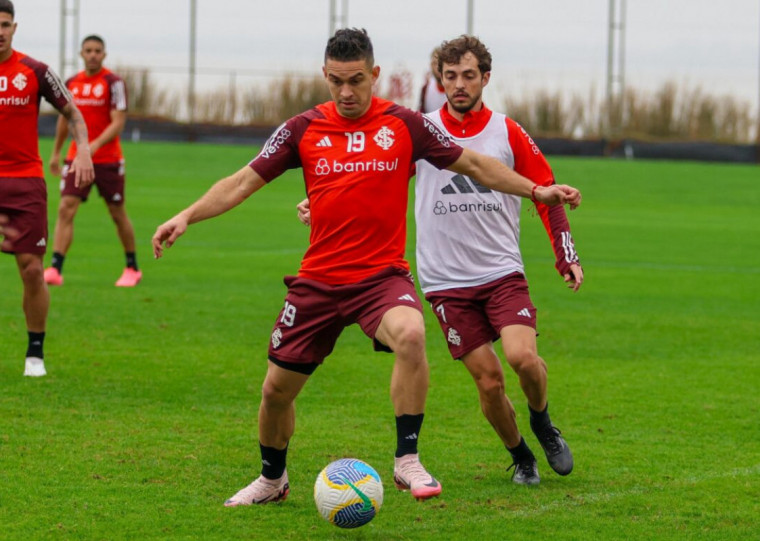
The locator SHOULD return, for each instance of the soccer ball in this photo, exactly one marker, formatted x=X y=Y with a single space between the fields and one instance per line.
x=348 y=493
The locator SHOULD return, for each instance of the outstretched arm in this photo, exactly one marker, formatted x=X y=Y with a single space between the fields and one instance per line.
x=84 y=173
x=492 y=173
x=221 y=197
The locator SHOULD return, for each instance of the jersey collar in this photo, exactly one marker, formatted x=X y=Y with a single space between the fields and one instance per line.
x=471 y=125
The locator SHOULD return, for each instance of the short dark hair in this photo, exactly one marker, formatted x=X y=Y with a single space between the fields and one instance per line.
x=93 y=37
x=452 y=52
x=6 y=6
x=350 y=44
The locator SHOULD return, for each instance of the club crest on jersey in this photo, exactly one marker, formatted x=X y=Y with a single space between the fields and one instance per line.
x=384 y=138
x=19 y=81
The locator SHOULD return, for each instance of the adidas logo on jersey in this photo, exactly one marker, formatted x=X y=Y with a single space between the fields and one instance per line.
x=524 y=312
x=41 y=242
x=463 y=184
x=406 y=297
x=325 y=142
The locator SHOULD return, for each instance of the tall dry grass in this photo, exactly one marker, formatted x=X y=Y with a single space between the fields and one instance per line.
x=671 y=112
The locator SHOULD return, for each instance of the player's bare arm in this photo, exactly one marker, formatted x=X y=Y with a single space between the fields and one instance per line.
x=114 y=129
x=84 y=172
x=491 y=173
x=61 y=133
x=221 y=197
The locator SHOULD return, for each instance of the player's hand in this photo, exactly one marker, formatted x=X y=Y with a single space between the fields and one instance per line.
x=7 y=233
x=574 y=278
x=167 y=234
x=558 y=194
x=55 y=164
x=84 y=172
x=304 y=212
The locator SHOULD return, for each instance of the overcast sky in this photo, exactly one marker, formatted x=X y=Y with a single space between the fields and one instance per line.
x=539 y=44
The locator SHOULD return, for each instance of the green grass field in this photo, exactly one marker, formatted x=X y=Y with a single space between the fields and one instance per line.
x=146 y=421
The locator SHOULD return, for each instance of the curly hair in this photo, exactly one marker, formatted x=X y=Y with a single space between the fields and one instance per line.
x=452 y=52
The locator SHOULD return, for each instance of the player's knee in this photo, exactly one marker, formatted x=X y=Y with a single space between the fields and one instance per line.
x=527 y=363
x=411 y=339
x=491 y=385
x=32 y=274
x=274 y=395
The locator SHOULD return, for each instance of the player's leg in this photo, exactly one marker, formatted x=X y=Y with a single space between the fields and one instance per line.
x=402 y=329
x=111 y=186
x=36 y=303
x=131 y=274
x=520 y=349
x=485 y=368
x=63 y=236
x=277 y=419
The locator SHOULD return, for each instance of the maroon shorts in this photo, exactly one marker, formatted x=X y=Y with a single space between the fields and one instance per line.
x=24 y=201
x=315 y=314
x=473 y=316
x=109 y=178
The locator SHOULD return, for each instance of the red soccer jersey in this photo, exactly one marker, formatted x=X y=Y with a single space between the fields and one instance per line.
x=23 y=82
x=96 y=96
x=357 y=177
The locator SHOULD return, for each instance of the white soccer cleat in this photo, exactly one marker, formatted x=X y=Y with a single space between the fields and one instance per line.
x=262 y=490
x=410 y=474
x=34 y=367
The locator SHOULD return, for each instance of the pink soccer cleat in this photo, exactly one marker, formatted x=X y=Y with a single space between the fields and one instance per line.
x=129 y=278
x=53 y=277
x=409 y=473
x=261 y=491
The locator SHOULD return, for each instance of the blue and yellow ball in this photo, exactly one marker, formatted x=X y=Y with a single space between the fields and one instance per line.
x=348 y=493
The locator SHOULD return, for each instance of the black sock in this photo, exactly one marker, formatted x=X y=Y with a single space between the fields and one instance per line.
x=539 y=418
x=407 y=431
x=57 y=261
x=521 y=451
x=273 y=461
x=132 y=260
x=36 y=340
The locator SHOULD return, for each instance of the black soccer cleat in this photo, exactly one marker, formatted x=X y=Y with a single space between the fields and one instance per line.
x=555 y=447
x=525 y=472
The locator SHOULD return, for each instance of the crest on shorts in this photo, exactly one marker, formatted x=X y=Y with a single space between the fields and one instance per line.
x=453 y=337
x=276 y=338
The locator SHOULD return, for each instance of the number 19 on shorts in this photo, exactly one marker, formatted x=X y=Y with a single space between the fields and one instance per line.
x=288 y=314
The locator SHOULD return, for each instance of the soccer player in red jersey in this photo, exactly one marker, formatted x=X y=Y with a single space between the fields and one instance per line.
x=23 y=194
x=469 y=263
x=356 y=152
x=101 y=95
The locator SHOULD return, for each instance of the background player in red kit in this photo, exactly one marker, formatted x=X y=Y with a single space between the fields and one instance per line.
x=356 y=152
x=101 y=95
x=23 y=194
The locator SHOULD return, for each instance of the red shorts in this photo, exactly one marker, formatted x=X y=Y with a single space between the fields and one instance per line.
x=315 y=314
x=24 y=201
x=109 y=178
x=473 y=316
